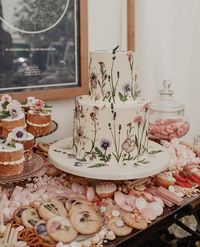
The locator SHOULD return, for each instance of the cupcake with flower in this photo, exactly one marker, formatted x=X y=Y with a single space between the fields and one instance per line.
x=39 y=119
x=29 y=103
x=11 y=115
x=19 y=135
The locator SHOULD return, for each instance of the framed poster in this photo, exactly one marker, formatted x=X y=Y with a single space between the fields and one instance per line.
x=43 y=48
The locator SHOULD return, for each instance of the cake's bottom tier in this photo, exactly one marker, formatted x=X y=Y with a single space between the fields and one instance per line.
x=9 y=170
x=38 y=130
x=105 y=132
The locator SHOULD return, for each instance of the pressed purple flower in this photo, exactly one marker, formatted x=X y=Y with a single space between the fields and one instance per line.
x=105 y=144
x=19 y=134
x=138 y=119
x=93 y=80
x=126 y=88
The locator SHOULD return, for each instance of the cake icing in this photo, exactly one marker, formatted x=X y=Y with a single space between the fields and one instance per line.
x=111 y=123
x=113 y=76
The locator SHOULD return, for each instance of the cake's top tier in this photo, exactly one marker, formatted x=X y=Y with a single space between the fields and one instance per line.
x=112 y=76
x=19 y=134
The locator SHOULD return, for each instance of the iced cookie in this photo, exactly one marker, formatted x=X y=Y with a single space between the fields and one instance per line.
x=18 y=214
x=30 y=217
x=50 y=209
x=79 y=207
x=86 y=221
x=41 y=230
x=76 y=201
x=118 y=226
x=60 y=229
x=137 y=222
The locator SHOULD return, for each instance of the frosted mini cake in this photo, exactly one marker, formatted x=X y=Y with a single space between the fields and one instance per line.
x=19 y=135
x=12 y=115
x=11 y=158
x=39 y=119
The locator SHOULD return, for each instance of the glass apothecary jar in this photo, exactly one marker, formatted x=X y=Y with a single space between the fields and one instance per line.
x=167 y=119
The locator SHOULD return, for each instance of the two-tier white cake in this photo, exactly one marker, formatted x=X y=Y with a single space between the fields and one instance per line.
x=110 y=124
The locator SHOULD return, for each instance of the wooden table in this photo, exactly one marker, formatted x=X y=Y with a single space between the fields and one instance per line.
x=169 y=216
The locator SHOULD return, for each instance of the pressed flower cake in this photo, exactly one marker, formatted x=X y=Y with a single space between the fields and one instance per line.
x=111 y=124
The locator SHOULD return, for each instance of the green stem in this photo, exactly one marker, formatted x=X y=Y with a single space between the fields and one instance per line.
x=143 y=130
x=112 y=84
x=138 y=139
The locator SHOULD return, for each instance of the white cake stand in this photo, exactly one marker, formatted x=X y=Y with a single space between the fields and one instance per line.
x=60 y=154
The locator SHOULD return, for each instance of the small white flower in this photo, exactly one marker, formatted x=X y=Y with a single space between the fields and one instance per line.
x=6 y=97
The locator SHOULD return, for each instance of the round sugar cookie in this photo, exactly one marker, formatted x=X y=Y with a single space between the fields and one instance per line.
x=50 y=209
x=41 y=230
x=86 y=221
x=60 y=229
x=76 y=201
x=137 y=222
x=30 y=217
x=18 y=214
x=118 y=226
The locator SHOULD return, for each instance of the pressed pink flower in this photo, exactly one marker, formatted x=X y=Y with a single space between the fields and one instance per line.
x=146 y=107
x=128 y=145
x=130 y=54
x=6 y=97
x=93 y=80
x=138 y=119
x=39 y=105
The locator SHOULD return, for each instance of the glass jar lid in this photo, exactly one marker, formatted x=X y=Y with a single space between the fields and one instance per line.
x=166 y=102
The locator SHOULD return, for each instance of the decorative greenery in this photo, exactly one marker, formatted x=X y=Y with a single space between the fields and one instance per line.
x=102 y=156
x=45 y=111
x=47 y=106
x=97 y=165
x=139 y=162
x=123 y=97
x=155 y=151
x=5 y=114
x=4 y=104
x=12 y=144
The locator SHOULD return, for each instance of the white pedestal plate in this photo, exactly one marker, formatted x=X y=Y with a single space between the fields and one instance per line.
x=60 y=154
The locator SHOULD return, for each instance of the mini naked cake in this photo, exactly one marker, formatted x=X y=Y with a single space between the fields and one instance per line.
x=19 y=135
x=12 y=116
x=11 y=158
x=39 y=119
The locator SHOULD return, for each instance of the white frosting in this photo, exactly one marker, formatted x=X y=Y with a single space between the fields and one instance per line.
x=106 y=73
x=5 y=148
x=32 y=112
x=26 y=137
x=38 y=125
x=9 y=119
x=95 y=122
x=10 y=163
